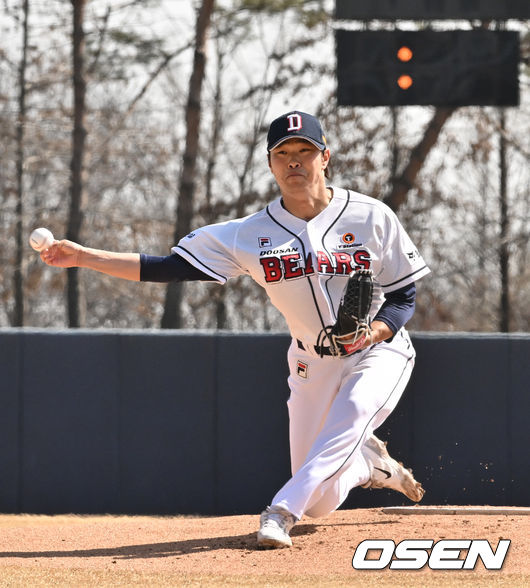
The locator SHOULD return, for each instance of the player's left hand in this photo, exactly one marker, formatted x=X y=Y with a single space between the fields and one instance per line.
x=380 y=332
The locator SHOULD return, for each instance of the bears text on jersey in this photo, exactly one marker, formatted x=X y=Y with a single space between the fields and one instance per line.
x=291 y=266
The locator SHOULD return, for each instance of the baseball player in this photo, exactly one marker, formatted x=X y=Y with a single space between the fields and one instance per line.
x=302 y=248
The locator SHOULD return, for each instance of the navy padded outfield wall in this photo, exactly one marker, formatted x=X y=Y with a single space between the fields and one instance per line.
x=166 y=422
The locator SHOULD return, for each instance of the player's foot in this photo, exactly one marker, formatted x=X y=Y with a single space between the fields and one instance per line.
x=386 y=472
x=275 y=524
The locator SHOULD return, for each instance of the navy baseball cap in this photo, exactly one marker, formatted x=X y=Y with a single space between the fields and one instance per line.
x=295 y=125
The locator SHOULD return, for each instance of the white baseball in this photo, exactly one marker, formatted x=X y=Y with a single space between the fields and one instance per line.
x=41 y=239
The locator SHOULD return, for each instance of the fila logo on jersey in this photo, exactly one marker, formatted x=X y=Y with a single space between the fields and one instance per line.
x=264 y=242
x=301 y=369
x=295 y=122
x=292 y=265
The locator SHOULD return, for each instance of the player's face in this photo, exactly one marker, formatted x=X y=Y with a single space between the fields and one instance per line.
x=296 y=163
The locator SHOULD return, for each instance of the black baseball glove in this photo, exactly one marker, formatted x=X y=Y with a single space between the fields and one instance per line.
x=352 y=328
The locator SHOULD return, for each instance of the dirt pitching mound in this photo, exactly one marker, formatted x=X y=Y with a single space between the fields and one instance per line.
x=73 y=550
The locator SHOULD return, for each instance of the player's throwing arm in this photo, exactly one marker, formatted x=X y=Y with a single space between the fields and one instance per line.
x=67 y=254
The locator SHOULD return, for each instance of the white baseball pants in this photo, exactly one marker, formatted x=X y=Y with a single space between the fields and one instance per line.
x=334 y=406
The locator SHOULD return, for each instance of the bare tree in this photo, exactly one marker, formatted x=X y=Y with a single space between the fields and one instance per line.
x=18 y=316
x=504 y=236
x=76 y=313
x=407 y=178
x=452 y=211
x=184 y=213
x=213 y=151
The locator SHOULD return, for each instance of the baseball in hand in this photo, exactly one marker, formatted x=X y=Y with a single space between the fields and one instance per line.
x=40 y=239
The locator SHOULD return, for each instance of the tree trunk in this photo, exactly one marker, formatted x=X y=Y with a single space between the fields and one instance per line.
x=504 y=252
x=18 y=280
x=75 y=300
x=394 y=164
x=219 y=294
x=405 y=181
x=172 y=317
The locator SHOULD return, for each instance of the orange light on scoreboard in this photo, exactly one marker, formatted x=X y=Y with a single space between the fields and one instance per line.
x=405 y=82
x=404 y=53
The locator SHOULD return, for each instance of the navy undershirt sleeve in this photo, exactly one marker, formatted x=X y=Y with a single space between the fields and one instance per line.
x=398 y=307
x=169 y=268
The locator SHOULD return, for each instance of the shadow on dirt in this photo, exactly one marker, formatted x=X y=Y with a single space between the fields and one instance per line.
x=152 y=550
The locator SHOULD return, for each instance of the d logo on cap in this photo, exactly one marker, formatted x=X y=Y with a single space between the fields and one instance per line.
x=295 y=122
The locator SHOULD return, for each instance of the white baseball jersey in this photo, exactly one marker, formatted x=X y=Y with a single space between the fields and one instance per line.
x=303 y=265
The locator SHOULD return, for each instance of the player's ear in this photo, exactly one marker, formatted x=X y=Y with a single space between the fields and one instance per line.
x=326 y=163
x=326 y=154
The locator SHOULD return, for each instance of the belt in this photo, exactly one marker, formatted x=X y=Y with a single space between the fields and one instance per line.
x=317 y=348
x=320 y=350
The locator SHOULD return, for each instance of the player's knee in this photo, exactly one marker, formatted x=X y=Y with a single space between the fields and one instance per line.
x=326 y=505
x=319 y=510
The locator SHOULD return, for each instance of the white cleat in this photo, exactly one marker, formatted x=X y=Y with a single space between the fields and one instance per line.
x=386 y=472
x=275 y=524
